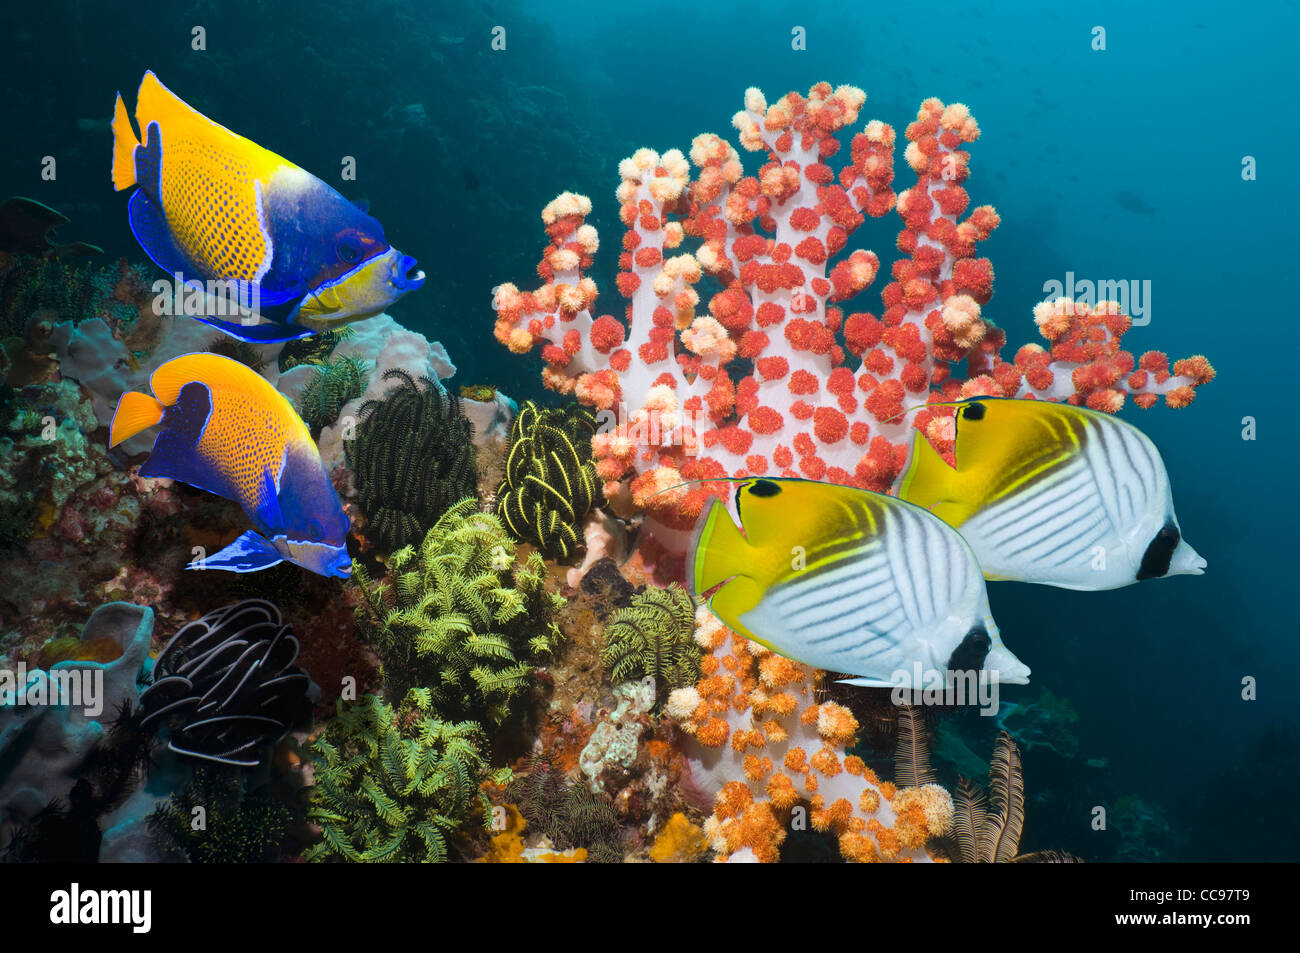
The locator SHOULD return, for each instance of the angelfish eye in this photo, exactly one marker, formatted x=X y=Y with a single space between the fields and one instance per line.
x=315 y=532
x=348 y=252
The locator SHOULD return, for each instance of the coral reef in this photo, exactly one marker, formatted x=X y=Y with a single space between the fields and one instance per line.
x=1044 y=723
x=550 y=482
x=654 y=636
x=986 y=827
x=765 y=748
x=335 y=383
x=616 y=741
x=227 y=687
x=384 y=345
x=507 y=846
x=27 y=227
x=314 y=350
x=393 y=784
x=238 y=827
x=70 y=745
x=776 y=378
x=250 y=355
x=412 y=459
x=461 y=615
x=35 y=289
x=568 y=813
x=679 y=842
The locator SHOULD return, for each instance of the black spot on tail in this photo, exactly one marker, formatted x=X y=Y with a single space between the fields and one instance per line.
x=1155 y=561
x=973 y=411
x=970 y=654
x=764 y=488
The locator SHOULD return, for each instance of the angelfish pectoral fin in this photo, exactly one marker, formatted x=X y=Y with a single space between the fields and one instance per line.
x=249 y=553
x=270 y=332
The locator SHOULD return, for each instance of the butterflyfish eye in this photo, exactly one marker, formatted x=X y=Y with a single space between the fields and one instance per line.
x=970 y=654
x=764 y=488
x=1160 y=551
x=348 y=252
x=973 y=412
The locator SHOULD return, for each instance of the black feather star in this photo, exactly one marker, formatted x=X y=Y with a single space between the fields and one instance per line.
x=227 y=685
x=412 y=457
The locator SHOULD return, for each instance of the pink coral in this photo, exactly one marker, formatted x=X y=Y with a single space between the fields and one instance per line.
x=776 y=378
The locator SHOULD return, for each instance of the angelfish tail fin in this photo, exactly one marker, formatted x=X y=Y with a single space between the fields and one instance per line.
x=124 y=143
x=135 y=412
x=717 y=551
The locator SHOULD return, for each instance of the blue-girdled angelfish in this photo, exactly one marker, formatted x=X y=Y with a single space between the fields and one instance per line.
x=213 y=206
x=223 y=428
x=849 y=581
x=1053 y=493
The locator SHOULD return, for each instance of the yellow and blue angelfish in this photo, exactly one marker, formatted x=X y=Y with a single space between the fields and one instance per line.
x=223 y=428
x=848 y=581
x=213 y=206
x=1054 y=494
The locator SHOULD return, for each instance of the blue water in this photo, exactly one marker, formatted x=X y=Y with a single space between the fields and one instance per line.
x=1122 y=164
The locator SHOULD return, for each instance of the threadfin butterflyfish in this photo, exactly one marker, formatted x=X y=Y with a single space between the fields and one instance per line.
x=214 y=207
x=223 y=428
x=1054 y=494
x=849 y=581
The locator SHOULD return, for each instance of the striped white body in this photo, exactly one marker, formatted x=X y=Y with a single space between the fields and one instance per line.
x=875 y=603
x=1086 y=522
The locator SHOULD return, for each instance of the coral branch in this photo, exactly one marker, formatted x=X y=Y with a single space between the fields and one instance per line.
x=776 y=378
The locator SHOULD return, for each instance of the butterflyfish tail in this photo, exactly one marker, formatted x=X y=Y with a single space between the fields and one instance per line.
x=135 y=412
x=717 y=552
x=124 y=143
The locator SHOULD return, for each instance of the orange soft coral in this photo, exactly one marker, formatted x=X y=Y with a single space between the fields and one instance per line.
x=780 y=752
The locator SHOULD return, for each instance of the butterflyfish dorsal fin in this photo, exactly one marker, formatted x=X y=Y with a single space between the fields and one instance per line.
x=717 y=550
x=930 y=483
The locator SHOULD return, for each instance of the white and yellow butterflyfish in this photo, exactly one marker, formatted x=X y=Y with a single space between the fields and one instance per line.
x=848 y=581
x=1054 y=494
